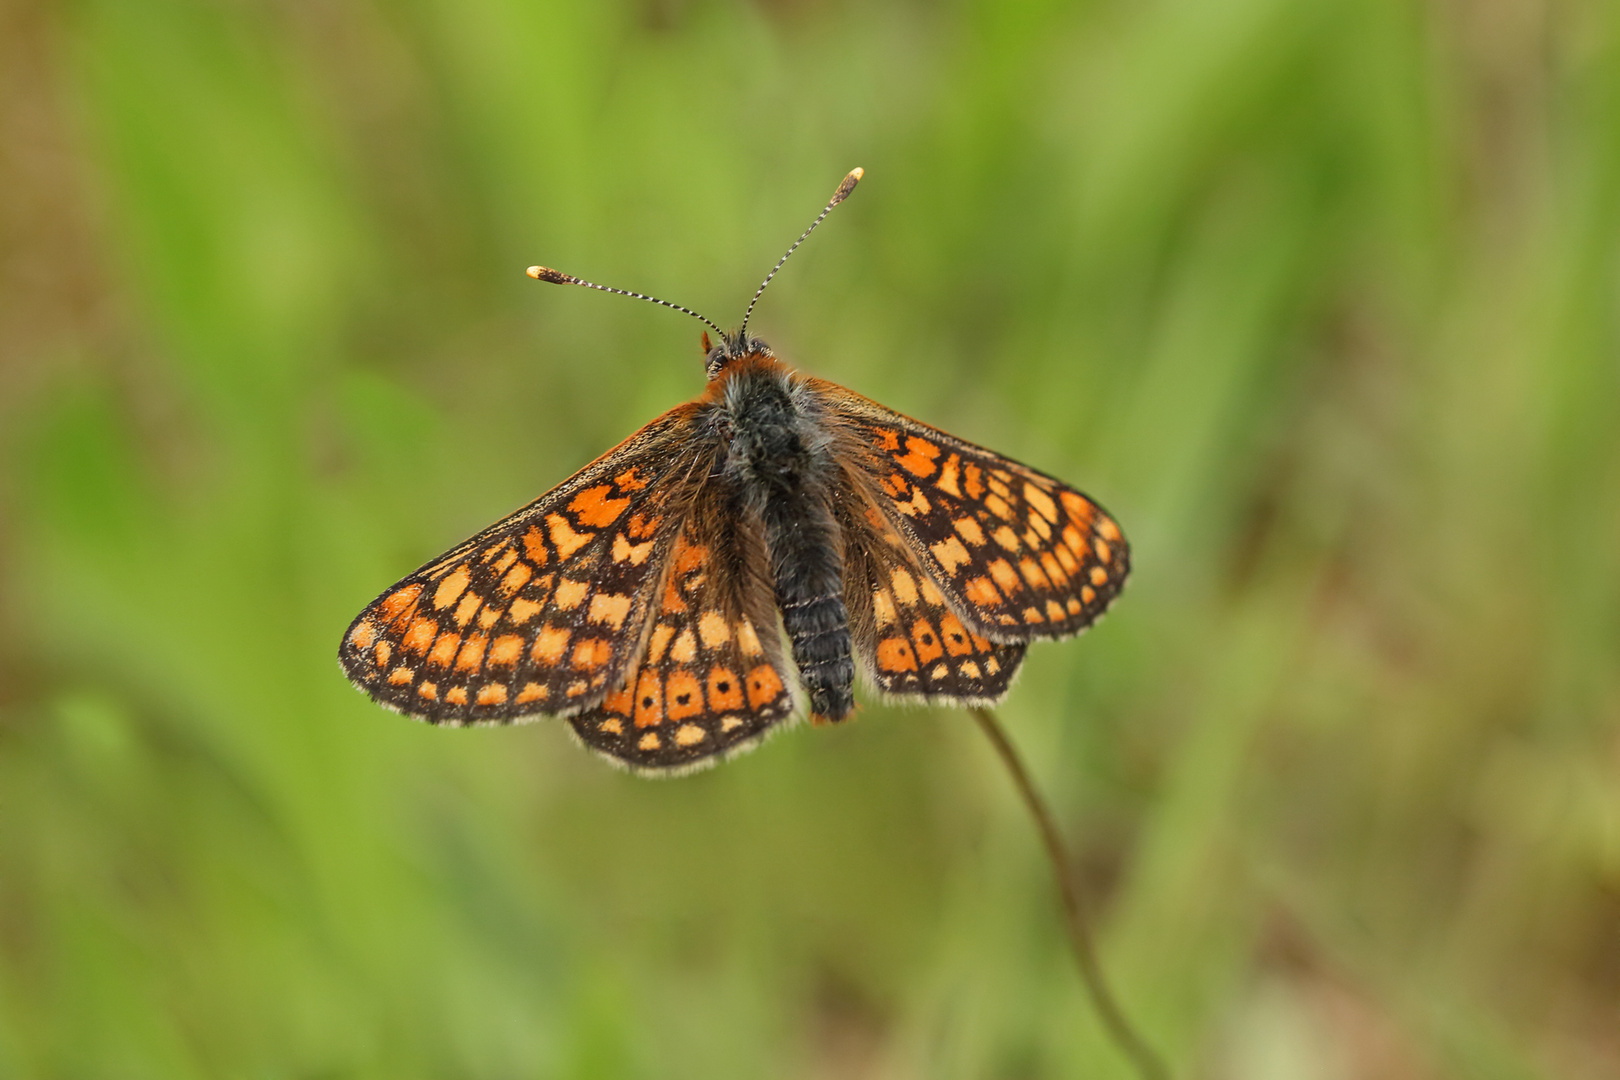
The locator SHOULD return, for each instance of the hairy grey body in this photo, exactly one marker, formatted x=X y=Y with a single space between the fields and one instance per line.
x=777 y=457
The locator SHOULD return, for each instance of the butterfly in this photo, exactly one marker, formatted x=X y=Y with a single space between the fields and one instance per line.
x=777 y=532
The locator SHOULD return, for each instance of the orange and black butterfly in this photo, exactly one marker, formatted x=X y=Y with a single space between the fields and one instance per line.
x=778 y=531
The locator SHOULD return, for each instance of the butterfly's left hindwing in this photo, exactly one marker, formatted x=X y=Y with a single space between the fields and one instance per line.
x=910 y=643
x=540 y=613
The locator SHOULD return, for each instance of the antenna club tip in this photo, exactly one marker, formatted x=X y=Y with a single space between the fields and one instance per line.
x=848 y=185
x=546 y=273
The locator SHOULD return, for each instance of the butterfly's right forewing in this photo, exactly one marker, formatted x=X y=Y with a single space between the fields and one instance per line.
x=541 y=612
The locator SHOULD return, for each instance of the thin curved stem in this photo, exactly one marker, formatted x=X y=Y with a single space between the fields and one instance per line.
x=1119 y=1027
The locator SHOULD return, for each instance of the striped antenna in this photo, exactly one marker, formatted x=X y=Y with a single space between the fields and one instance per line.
x=839 y=196
x=557 y=277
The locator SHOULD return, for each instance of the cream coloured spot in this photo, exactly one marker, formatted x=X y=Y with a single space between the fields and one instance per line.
x=505 y=650
x=569 y=593
x=1098 y=575
x=883 y=607
x=970 y=531
x=747 y=640
x=713 y=630
x=917 y=505
x=609 y=609
x=515 y=579
x=634 y=554
x=1100 y=546
x=522 y=611
x=689 y=735
x=660 y=641
x=905 y=587
x=969 y=668
x=451 y=587
x=611 y=726
x=563 y=536
x=950 y=553
x=685 y=647
x=1066 y=559
x=1108 y=528
x=729 y=724
x=470 y=603
x=550 y=645
x=930 y=592
x=1005 y=576
x=648 y=741
x=1041 y=501
x=939 y=671
x=1032 y=574
x=363 y=634
x=991 y=665
x=1007 y=538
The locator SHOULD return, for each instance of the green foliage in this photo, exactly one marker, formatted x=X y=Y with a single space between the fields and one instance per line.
x=1320 y=299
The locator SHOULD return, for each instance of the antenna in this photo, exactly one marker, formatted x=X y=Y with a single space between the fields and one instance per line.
x=839 y=196
x=557 y=277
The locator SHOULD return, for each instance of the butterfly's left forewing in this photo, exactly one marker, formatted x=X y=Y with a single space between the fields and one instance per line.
x=1019 y=554
x=540 y=612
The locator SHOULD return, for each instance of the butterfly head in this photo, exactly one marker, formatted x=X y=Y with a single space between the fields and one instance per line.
x=725 y=353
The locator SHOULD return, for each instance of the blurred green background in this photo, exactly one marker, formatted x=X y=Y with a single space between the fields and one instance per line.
x=1321 y=299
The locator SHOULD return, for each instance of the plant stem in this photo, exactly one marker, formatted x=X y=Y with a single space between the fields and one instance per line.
x=1119 y=1027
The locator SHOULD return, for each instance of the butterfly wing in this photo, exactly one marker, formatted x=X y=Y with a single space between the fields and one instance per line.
x=1018 y=554
x=539 y=612
x=910 y=643
x=710 y=682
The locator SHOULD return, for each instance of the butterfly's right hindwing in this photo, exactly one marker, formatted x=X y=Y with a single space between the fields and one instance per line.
x=540 y=613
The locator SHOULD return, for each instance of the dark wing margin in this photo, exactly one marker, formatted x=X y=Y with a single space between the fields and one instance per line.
x=541 y=612
x=1018 y=554
x=710 y=682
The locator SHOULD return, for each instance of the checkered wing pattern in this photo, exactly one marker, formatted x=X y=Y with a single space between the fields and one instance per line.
x=1018 y=554
x=541 y=612
x=910 y=643
x=709 y=682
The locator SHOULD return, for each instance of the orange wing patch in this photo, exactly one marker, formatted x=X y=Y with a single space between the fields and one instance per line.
x=706 y=684
x=540 y=612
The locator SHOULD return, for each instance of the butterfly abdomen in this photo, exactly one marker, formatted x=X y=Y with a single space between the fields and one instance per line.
x=779 y=459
